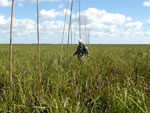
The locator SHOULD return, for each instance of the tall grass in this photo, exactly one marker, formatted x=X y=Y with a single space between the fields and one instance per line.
x=104 y=82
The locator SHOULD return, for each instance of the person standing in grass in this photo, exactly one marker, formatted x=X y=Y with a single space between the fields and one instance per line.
x=82 y=51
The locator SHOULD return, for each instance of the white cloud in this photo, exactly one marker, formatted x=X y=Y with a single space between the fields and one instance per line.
x=61 y=6
x=24 y=30
x=111 y=25
x=21 y=27
x=129 y=19
x=5 y=3
x=113 y=19
x=146 y=3
x=103 y=21
x=101 y=16
x=51 y=27
x=148 y=21
x=3 y=21
x=133 y=25
x=20 y=4
x=104 y=27
x=50 y=14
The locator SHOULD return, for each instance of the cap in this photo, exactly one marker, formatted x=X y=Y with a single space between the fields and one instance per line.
x=80 y=40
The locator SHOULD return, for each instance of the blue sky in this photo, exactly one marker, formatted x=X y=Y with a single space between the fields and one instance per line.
x=108 y=21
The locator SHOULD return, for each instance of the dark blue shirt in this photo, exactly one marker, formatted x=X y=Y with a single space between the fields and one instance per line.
x=81 y=50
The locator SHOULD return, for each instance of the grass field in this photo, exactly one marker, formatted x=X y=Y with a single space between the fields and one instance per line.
x=114 y=79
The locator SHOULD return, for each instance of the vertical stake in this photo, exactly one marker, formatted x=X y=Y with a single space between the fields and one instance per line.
x=79 y=22
x=10 y=53
x=38 y=38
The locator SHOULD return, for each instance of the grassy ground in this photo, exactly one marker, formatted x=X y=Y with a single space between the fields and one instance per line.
x=114 y=79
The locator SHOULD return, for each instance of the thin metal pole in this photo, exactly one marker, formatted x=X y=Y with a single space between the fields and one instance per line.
x=71 y=33
x=70 y=22
x=85 y=30
x=79 y=22
x=88 y=37
x=10 y=53
x=38 y=38
x=76 y=21
x=61 y=52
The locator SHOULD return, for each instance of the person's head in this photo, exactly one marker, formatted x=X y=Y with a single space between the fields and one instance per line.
x=80 y=41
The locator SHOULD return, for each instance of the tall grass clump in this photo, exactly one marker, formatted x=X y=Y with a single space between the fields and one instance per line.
x=114 y=79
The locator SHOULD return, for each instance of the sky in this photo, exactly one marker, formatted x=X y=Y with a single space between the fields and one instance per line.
x=103 y=21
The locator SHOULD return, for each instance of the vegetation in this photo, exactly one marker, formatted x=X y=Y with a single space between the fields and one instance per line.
x=114 y=79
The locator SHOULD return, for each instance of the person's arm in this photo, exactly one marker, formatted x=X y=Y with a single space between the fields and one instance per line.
x=75 y=53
